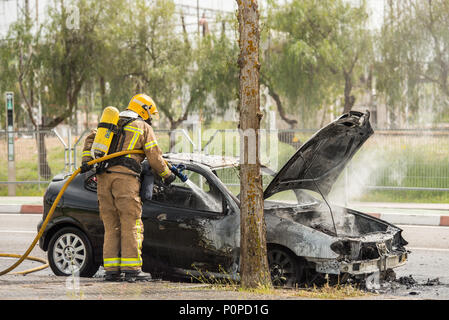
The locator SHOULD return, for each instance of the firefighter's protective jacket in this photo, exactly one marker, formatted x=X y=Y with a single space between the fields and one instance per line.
x=139 y=135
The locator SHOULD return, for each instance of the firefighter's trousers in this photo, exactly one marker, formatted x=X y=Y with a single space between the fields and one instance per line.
x=121 y=212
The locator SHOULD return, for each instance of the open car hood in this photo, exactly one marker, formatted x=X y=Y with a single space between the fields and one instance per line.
x=318 y=163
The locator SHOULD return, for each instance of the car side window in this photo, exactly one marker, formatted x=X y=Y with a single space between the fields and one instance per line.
x=197 y=193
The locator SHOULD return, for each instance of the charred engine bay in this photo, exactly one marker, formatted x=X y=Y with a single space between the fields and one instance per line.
x=357 y=236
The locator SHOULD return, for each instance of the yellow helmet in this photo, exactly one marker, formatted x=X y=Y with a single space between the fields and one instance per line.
x=144 y=106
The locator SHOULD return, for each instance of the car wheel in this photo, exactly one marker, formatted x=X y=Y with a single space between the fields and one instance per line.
x=283 y=267
x=70 y=252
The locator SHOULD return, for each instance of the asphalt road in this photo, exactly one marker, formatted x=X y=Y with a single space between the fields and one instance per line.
x=17 y=231
x=428 y=263
x=428 y=260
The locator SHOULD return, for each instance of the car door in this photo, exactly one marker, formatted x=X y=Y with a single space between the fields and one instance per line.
x=80 y=203
x=179 y=222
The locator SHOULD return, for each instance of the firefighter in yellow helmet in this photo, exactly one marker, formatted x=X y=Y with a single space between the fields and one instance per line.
x=118 y=186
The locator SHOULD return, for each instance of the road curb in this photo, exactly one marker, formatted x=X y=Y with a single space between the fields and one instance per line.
x=22 y=208
x=444 y=221
x=31 y=208
x=413 y=219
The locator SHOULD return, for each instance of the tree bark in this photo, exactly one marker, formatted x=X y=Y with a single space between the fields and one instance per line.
x=277 y=99
x=175 y=123
x=24 y=70
x=103 y=92
x=349 y=98
x=44 y=168
x=253 y=251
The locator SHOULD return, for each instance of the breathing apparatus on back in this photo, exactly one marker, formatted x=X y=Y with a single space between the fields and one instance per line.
x=110 y=136
x=106 y=130
x=140 y=105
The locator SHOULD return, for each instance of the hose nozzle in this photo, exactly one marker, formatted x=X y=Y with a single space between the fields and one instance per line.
x=178 y=171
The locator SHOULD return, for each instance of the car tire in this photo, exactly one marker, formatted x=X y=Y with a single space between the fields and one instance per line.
x=70 y=253
x=283 y=266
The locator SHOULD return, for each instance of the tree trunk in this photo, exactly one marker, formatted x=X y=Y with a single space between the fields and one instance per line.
x=253 y=251
x=102 y=93
x=277 y=99
x=172 y=136
x=175 y=123
x=44 y=168
x=349 y=98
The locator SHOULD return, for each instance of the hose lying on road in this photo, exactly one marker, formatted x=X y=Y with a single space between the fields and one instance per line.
x=49 y=215
x=13 y=255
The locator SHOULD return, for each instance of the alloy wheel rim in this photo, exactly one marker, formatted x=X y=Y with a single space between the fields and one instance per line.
x=69 y=253
x=281 y=268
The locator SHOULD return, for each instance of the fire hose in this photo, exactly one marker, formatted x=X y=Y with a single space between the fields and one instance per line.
x=49 y=215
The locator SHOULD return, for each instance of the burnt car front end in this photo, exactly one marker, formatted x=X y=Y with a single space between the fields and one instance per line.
x=379 y=246
x=347 y=243
x=330 y=239
x=364 y=245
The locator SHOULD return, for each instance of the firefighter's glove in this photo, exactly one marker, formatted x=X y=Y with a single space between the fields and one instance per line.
x=169 y=180
x=86 y=167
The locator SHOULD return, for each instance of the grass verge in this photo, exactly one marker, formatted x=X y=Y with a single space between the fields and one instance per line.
x=326 y=292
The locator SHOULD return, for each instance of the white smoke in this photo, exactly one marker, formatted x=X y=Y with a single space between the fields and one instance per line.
x=368 y=168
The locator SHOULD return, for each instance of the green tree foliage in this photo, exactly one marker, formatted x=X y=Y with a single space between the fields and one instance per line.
x=114 y=50
x=52 y=63
x=68 y=54
x=148 y=56
x=151 y=52
x=8 y=83
x=412 y=66
x=216 y=76
x=314 y=53
x=18 y=63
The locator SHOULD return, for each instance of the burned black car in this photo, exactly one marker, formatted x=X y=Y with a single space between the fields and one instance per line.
x=194 y=227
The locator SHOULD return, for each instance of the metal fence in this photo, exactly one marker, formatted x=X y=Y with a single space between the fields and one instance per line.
x=393 y=165
x=37 y=156
x=403 y=165
x=28 y=160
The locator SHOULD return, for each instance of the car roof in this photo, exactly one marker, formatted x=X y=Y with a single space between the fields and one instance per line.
x=211 y=161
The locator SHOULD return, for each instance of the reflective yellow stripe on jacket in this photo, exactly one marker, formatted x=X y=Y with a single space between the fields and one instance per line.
x=86 y=154
x=150 y=144
x=166 y=171
x=137 y=132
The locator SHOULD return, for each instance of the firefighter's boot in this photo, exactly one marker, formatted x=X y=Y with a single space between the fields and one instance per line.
x=113 y=276
x=136 y=275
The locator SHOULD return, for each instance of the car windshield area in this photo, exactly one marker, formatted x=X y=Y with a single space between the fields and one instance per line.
x=294 y=197
x=230 y=176
x=231 y=179
x=197 y=193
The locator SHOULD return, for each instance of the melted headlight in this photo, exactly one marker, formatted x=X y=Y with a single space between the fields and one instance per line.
x=341 y=247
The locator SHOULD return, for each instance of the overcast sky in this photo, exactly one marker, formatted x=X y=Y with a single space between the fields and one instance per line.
x=9 y=9
x=375 y=7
